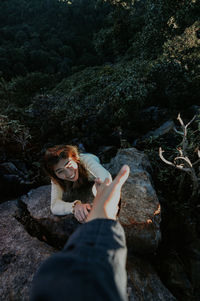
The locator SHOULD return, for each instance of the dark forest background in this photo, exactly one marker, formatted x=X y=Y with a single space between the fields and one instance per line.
x=80 y=64
x=86 y=70
x=102 y=74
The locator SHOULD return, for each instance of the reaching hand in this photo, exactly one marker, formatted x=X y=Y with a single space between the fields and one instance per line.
x=105 y=204
x=81 y=211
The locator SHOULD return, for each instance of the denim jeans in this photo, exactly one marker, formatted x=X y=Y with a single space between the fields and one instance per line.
x=90 y=267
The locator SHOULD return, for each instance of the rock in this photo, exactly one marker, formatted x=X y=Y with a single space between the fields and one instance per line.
x=153 y=114
x=139 y=214
x=13 y=181
x=175 y=276
x=194 y=110
x=10 y=168
x=149 y=119
x=140 y=209
x=105 y=153
x=20 y=255
x=191 y=259
x=162 y=130
x=36 y=215
x=144 y=283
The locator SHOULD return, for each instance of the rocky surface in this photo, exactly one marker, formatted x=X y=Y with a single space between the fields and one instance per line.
x=140 y=212
x=144 y=283
x=35 y=214
x=14 y=179
x=20 y=255
x=162 y=130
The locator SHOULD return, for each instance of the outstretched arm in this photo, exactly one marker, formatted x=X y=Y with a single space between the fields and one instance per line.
x=58 y=206
x=92 y=264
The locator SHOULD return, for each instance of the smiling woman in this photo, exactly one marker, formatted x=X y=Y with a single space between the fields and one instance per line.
x=69 y=169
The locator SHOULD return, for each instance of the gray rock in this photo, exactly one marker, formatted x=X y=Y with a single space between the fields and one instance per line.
x=140 y=209
x=13 y=181
x=194 y=110
x=20 y=255
x=55 y=229
x=162 y=130
x=153 y=114
x=144 y=283
x=105 y=153
x=139 y=213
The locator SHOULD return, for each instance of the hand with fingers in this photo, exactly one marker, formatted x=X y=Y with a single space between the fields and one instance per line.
x=97 y=182
x=81 y=211
x=107 y=198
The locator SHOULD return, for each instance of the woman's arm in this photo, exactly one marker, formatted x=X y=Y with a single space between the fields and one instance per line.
x=93 y=165
x=58 y=206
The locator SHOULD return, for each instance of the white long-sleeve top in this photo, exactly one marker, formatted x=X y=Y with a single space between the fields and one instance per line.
x=95 y=170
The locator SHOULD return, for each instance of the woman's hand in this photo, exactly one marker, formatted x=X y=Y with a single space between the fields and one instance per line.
x=97 y=185
x=97 y=182
x=81 y=211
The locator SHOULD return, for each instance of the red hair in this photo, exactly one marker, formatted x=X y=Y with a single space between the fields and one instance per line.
x=54 y=154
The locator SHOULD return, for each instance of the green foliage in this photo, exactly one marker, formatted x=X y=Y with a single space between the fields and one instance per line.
x=63 y=30
x=113 y=93
x=149 y=54
x=13 y=132
x=20 y=89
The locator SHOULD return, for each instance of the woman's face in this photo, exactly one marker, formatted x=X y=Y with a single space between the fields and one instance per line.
x=66 y=169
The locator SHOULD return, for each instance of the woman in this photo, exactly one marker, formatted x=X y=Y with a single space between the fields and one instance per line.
x=69 y=170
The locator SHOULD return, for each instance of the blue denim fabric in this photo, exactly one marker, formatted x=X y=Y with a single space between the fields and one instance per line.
x=91 y=266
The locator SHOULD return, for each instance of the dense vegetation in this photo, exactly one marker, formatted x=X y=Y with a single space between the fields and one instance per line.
x=87 y=70
x=45 y=36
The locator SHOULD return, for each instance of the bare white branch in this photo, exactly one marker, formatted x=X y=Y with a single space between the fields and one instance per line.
x=180 y=120
x=178 y=166
x=163 y=159
x=180 y=151
x=186 y=159
x=184 y=162
x=190 y=121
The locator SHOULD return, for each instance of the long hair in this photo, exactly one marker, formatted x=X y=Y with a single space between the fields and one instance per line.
x=53 y=155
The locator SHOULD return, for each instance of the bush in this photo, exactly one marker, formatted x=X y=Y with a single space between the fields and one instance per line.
x=20 y=90
x=12 y=132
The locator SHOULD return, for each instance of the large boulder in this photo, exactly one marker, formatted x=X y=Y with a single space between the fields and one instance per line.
x=35 y=214
x=165 y=128
x=20 y=255
x=140 y=212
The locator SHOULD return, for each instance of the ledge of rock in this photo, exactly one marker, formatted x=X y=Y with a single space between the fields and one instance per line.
x=140 y=209
x=20 y=255
x=34 y=212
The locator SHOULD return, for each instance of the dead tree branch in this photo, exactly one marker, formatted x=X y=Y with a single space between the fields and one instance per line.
x=185 y=164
